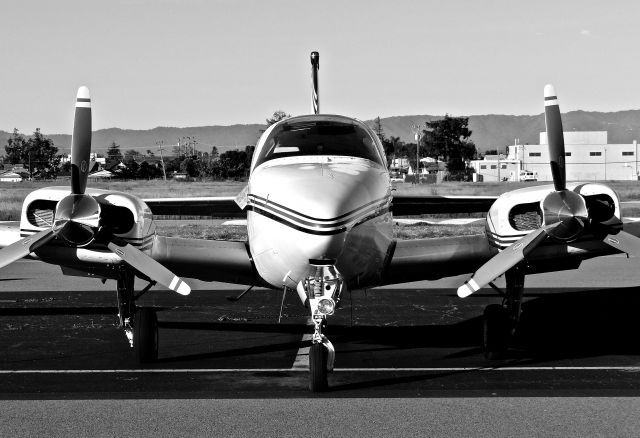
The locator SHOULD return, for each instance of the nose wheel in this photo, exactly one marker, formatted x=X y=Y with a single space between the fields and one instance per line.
x=321 y=292
x=318 y=368
x=321 y=357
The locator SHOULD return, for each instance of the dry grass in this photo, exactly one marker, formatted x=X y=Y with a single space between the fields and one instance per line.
x=627 y=190
x=207 y=230
x=203 y=230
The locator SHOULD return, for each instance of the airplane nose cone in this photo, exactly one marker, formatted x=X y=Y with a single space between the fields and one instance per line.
x=304 y=211
x=321 y=195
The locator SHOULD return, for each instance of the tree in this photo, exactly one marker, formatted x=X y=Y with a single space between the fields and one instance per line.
x=16 y=145
x=147 y=171
x=232 y=164
x=190 y=167
x=277 y=116
x=113 y=152
x=448 y=138
x=391 y=146
x=37 y=152
x=377 y=128
x=214 y=153
x=172 y=165
x=132 y=154
x=249 y=150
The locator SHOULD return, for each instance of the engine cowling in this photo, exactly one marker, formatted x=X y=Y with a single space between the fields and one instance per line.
x=122 y=214
x=518 y=212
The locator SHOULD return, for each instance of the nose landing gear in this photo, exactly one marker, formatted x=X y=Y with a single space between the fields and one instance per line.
x=322 y=292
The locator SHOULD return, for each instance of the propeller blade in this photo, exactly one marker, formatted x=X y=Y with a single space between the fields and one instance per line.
x=148 y=266
x=81 y=142
x=503 y=261
x=555 y=138
x=24 y=247
x=624 y=242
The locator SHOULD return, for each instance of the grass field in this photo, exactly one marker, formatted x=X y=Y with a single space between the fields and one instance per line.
x=206 y=230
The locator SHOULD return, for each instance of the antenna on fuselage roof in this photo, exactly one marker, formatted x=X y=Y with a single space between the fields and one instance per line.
x=315 y=98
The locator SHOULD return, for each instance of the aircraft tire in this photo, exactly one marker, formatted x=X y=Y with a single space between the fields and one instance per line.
x=318 y=368
x=145 y=335
x=496 y=331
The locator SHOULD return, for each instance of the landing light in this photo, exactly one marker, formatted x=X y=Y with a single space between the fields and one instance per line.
x=326 y=306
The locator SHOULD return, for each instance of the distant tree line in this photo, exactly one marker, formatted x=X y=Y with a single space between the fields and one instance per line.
x=446 y=140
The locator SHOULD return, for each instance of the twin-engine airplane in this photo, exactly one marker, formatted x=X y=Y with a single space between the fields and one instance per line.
x=319 y=218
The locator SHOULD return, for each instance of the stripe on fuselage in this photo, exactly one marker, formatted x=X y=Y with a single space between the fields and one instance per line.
x=311 y=225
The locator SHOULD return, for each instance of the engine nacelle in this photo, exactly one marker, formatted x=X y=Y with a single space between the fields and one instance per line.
x=516 y=213
x=123 y=215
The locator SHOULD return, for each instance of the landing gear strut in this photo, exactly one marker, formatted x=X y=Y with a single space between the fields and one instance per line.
x=501 y=320
x=322 y=292
x=140 y=324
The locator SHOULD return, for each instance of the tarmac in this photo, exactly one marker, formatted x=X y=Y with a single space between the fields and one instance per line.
x=403 y=354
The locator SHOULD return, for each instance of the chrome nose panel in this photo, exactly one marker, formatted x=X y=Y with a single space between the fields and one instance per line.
x=301 y=211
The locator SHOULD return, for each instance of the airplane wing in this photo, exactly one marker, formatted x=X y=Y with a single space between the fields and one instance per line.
x=215 y=207
x=435 y=258
x=404 y=205
x=431 y=259
x=207 y=260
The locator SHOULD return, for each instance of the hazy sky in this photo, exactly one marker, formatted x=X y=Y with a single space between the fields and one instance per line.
x=184 y=63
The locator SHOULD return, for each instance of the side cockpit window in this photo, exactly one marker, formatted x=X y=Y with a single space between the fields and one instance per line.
x=304 y=138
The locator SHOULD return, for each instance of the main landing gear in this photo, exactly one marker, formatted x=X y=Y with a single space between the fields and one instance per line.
x=322 y=293
x=140 y=324
x=501 y=320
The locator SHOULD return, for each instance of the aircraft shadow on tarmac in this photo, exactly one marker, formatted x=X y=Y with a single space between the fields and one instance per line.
x=559 y=325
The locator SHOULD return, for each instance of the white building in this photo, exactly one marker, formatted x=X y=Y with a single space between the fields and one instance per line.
x=93 y=156
x=10 y=176
x=588 y=157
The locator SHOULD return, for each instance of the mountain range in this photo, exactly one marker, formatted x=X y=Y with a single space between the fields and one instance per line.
x=492 y=131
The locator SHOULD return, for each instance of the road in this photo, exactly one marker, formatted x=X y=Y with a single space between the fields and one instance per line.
x=407 y=360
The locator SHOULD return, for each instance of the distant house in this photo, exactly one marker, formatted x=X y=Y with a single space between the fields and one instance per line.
x=181 y=176
x=115 y=166
x=9 y=176
x=101 y=175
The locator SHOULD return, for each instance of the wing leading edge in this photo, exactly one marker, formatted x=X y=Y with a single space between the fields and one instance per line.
x=403 y=205
x=215 y=207
x=227 y=207
x=207 y=260
x=431 y=259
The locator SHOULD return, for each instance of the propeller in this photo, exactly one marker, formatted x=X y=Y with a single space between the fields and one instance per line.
x=565 y=213
x=78 y=219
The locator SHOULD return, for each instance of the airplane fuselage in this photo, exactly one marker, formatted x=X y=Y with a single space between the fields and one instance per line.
x=319 y=203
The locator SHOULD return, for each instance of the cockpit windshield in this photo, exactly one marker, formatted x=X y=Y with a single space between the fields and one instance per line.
x=300 y=138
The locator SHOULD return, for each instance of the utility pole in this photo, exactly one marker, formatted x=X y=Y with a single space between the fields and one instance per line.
x=417 y=132
x=160 y=144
